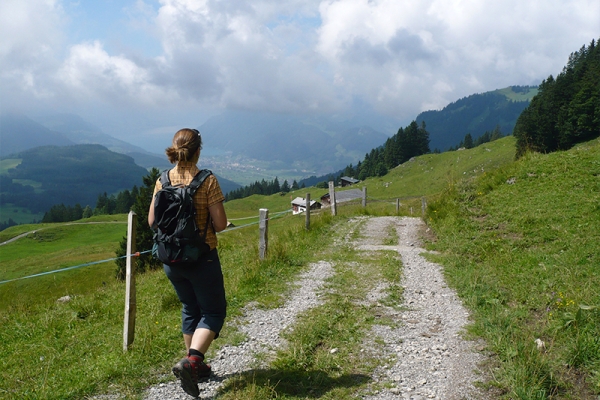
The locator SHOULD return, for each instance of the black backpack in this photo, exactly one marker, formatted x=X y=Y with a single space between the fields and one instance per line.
x=177 y=240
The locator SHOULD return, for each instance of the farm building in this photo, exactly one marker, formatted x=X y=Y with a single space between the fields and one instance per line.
x=347 y=181
x=299 y=205
x=342 y=196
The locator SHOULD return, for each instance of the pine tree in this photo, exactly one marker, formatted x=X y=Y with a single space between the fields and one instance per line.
x=144 y=233
x=87 y=212
x=566 y=110
x=468 y=142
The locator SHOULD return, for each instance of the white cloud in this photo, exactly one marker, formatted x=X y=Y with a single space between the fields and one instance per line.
x=429 y=53
x=90 y=72
x=291 y=55
x=30 y=36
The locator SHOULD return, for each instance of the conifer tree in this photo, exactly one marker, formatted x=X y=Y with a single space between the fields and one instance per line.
x=144 y=233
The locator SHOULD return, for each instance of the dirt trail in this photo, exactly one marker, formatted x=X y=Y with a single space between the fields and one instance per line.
x=432 y=358
x=424 y=352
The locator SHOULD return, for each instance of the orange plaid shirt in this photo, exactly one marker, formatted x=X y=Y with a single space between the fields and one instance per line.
x=207 y=195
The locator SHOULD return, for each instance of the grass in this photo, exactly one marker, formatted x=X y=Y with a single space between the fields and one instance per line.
x=524 y=256
x=76 y=347
x=9 y=163
x=325 y=356
x=18 y=214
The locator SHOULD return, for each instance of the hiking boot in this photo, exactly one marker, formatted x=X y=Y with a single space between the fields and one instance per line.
x=188 y=370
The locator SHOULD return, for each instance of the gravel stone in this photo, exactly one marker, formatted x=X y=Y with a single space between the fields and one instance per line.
x=432 y=359
x=424 y=354
x=262 y=329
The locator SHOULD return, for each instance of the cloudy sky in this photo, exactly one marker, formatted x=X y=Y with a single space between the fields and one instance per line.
x=139 y=68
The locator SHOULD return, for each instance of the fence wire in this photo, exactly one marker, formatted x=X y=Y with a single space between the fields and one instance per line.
x=136 y=254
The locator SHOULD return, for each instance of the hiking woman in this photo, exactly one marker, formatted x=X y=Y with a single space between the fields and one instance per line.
x=200 y=286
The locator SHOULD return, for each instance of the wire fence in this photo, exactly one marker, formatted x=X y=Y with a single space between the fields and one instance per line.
x=229 y=229
x=136 y=254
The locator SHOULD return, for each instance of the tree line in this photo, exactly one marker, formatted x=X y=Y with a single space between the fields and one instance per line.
x=105 y=205
x=409 y=142
x=263 y=187
x=469 y=143
x=566 y=110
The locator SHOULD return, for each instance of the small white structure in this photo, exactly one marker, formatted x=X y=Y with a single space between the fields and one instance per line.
x=299 y=205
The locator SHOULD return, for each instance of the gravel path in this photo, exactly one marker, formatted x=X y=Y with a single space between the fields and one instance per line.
x=433 y=361
x=430 y=359
x=262 y=328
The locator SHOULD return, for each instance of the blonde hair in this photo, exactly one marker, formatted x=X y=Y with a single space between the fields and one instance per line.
x=186 y=143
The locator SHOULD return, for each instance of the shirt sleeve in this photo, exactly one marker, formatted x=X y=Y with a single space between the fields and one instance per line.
x=214 y=195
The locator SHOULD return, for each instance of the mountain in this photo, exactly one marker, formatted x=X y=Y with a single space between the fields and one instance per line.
x=80 y=131
x=18 y=133
x=50 y=175
x=310 y=143
x=476 y=114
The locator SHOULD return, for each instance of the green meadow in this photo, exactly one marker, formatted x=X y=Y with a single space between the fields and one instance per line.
x=518 y=240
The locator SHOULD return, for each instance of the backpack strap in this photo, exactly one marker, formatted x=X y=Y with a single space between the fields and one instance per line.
x=195 y=185
x=199 y=179
x=165 y=181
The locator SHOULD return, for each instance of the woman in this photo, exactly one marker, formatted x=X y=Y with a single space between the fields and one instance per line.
x=200 y=287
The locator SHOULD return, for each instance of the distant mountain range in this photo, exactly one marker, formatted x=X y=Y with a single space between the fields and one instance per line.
x=300 y=142
x=476 y=114
x=19 y=133
x=49 y=175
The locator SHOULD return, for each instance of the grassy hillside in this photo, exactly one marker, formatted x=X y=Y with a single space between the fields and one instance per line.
x=518 y=241
x=520 y=244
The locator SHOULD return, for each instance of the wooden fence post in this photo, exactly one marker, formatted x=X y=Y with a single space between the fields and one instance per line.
x=423 y=205
x=364 y=196
x=332 y=198
x=397 y=206
x=130 y=301
x=263 y=230
x=307 y=211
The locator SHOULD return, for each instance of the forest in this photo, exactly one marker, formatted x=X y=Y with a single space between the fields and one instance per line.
x=51 y=175
x=566 y=110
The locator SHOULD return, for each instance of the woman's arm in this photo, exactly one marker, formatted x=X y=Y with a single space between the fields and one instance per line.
x=217 y=214
x=151 y=214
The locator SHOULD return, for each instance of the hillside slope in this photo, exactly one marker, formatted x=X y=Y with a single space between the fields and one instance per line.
x=49 y=175
x=19 y=133
x=520 y=244
x=476 y=114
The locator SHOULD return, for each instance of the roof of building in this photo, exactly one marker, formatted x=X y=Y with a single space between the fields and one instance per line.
x=348 y=179
x=345 y=195
x=300 y=201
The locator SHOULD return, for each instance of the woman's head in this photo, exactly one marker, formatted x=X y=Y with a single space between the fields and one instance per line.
x=186 y=144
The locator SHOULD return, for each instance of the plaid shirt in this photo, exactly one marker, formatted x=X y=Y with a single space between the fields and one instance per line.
x=207 y=195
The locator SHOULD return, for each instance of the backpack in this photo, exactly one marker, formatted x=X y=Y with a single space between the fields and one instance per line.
x=177 y=240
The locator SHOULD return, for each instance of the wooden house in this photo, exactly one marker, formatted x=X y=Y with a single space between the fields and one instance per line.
x=342 y=196
x=299 y=205
x=347 y=181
